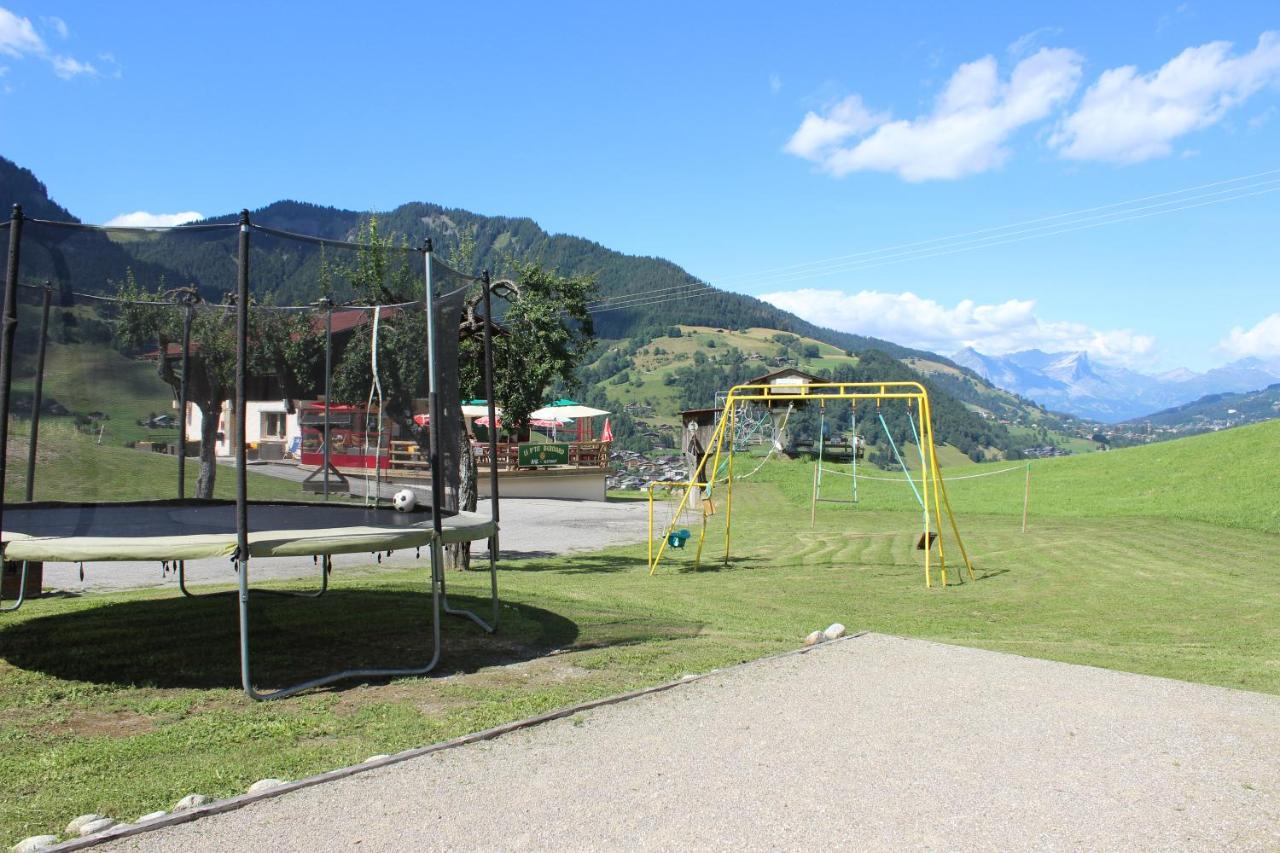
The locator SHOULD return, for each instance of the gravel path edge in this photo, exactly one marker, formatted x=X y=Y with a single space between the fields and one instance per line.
x=233 y=803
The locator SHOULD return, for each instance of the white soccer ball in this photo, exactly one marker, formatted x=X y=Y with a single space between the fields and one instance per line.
x=404 y=500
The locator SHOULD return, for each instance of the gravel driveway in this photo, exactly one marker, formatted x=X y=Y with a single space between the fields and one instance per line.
x=873 y=742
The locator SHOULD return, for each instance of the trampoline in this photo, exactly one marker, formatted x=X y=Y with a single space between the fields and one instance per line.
x=100 y=527
x=190 y=529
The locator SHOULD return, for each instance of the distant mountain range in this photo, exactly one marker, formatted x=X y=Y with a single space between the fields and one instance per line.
x=639 y=299
x=1072 y=382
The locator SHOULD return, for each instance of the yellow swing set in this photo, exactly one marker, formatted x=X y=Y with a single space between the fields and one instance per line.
x=932 y=496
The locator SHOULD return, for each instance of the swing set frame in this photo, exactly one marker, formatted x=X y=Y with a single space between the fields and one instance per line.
x=933 y=498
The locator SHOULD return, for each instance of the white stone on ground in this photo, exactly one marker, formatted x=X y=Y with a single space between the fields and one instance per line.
x=834 y=632
x=73 y=828
x=373 y=758
x=190 y=801
x=151 y=816
x=33 y=843
x=814 y=638
x=264 y=785
x=96 y=826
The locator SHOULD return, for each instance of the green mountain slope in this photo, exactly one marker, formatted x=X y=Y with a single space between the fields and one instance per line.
x=1215 y=412
x=1225 y=478
x=291 y=272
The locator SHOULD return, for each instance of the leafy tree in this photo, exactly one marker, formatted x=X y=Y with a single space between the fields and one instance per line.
x=280 y=344
x=385 y=272
x=545 y=332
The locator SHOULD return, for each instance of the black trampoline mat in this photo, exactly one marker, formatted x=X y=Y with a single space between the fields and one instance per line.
x=144 y=519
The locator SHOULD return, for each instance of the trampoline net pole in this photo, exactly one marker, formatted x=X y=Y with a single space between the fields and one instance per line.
x=188 y=309
x=7 y=335
x=242 y=504
x=493 y=441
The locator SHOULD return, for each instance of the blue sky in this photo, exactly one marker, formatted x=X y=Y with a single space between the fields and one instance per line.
x=745 y=142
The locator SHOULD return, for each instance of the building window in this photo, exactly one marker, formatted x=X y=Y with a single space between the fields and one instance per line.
x=273 y=424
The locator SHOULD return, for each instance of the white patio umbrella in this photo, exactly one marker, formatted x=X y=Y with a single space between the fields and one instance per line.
x=565 y=413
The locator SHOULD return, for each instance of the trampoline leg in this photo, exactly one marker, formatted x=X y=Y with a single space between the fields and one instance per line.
x=22 y=592
x=246 y=680
x=326 y=567
x=489 y=627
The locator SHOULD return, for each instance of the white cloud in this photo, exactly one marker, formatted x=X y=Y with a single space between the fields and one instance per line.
x=1024 y=44
x=775 y=83
x=973 y=118
x=1127 y=117
x=914 y=321
x=58 y=25
x=143 y=219
x=18 y=39
x=1262 y=118
x=1262 y=341
x=818 y=135
x=66 y=67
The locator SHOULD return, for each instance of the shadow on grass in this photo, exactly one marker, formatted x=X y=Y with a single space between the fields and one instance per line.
x=580 y=564
x=713 y=564
x=194 y=643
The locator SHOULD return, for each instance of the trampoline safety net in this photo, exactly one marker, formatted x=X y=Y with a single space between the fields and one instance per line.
x=233 y=389
x=123 y=380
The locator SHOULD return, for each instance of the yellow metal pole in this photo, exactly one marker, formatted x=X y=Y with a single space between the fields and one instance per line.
x=702 y=537
x=924 y=485
x=926 y=415
x=955 y=527
x=732 y=414
x=693 y=484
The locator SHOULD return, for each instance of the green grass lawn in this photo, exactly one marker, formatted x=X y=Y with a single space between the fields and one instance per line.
x=1159 y=560
x=88 y=378
x=71 y=466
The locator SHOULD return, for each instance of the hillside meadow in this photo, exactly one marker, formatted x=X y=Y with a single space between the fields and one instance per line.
x=1158 y=560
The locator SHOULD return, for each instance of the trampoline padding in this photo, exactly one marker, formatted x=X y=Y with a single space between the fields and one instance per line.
x=189 y=530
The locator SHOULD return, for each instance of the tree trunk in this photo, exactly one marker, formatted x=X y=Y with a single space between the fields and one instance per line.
x=209 y=414
x=459 y=555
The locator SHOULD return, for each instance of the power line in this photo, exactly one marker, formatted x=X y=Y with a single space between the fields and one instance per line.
x=1063 y=223
x=706 y=291
x=1079 y=223
x=965 y=234
x=946 y=250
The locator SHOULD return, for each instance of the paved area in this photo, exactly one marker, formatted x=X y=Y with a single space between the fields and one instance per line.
x=530 y=527
x=872 y=743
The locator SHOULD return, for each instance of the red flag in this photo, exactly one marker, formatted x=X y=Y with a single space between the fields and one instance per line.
x=606 y=434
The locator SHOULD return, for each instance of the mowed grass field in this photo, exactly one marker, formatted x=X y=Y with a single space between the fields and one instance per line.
x=1159 y=560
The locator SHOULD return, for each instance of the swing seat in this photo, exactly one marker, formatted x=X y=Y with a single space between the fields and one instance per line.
x=920 y=543
x=677 y=539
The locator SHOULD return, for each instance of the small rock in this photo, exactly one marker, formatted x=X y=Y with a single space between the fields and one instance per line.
x=33 y=843
x=814 y=638
x=373 y=758
x=190 y=801
x=835 y=632
x=96 y=826
x=73 y=828
x=151 y=816
x=264 y=785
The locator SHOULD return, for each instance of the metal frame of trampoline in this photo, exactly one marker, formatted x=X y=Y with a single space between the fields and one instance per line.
x=242 y=550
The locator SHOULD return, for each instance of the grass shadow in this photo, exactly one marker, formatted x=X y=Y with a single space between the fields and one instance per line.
x=194 y=643
x=580 y=564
